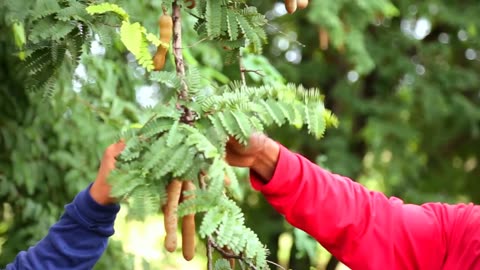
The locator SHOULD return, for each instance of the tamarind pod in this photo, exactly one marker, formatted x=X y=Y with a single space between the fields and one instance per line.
x=159 y=58
x=174 y=190
x=323 y=39
x=232 y=263
x=165 y=24
x=291 y=6
x=301 y=4
x=191 y=3
x=188 y=226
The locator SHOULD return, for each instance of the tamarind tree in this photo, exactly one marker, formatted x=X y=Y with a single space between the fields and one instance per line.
x=186 y=135
x=407 y=100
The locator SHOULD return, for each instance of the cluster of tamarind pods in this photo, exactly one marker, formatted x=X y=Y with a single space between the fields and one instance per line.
x=165 y=24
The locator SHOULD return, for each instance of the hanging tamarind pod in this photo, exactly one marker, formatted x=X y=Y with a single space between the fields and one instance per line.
x=174 y=191
x=165 y=23
x=188 y=226
x=323 y=38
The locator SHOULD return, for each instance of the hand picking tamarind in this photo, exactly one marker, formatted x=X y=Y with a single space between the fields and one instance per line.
x=174 y=190
x=190 y=4
x=188 y=226
x=165 y=24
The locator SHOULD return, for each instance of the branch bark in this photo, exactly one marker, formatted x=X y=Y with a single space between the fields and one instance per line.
x=177 y=47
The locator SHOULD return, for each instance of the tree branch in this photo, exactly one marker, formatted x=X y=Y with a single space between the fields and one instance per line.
x=209 y=254
x=225 y=254
x=242 y=68
x=177 y=48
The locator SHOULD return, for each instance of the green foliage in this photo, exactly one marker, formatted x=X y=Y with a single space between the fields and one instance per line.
x=222 y=265
x=409 y=114
x=228 y=21
x=56 y=37
x=133 y=35
x=345 y=23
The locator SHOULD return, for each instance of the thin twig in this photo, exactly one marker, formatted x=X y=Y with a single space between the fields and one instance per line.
x=209 y=254
x=194 y=44
x=225 y=254
x=242 y=68
x=111 y=25
x=276 y=264
x=285 y=34
x=256 y=71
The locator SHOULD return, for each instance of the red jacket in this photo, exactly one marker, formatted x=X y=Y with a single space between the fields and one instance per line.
x=365 y=229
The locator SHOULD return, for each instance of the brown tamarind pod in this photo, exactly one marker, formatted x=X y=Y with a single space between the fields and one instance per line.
x=190 y=4
x=174 y=191
x=301 y=4
x=188 y=226
x=323 y=39
x=165 y=23
x=232 y=263
x=291 y=6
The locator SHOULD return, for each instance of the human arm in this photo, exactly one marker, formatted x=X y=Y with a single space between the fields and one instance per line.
x=363 y=229
x=80 y=237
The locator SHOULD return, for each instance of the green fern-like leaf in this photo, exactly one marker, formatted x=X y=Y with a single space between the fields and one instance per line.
x=186 y=164
x=213 y=15
x=202 y=143
x=250 y=33
x=314 y=116
x=232 y=25
x=168 y=78
x=143 y=201
x=172 y=162
x=222 y=264
x=49 y=28
x=108 y=7
x=156 y=127
x=132 y=37
x=45 y=8
x=211 y=221
x=124 y=182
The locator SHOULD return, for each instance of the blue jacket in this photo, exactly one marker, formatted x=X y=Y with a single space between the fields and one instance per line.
x=76 y=241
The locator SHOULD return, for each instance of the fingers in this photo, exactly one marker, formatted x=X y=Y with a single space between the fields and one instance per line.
x=115 y=149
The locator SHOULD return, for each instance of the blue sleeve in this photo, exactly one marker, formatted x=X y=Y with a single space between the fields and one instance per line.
x=76 y=241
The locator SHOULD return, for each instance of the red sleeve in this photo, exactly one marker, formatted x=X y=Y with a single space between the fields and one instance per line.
x=363 y=229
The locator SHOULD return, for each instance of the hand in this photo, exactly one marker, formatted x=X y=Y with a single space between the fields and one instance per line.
x=260 y=155
x=100 y=190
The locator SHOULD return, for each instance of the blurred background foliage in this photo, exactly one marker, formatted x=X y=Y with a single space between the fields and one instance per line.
x=402 y=76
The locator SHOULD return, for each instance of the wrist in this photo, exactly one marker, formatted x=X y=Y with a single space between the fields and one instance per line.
x=266 y=160
x=101 y=194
